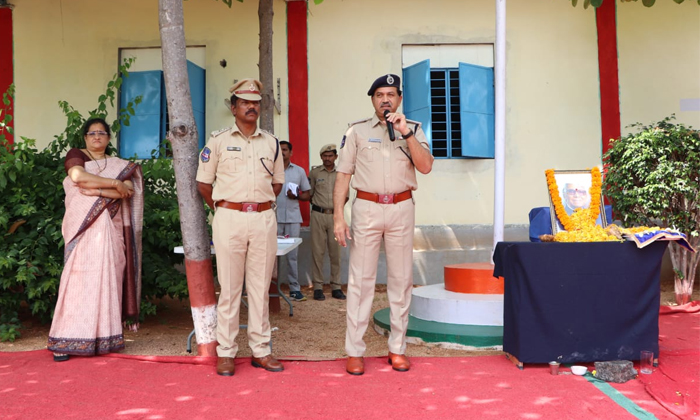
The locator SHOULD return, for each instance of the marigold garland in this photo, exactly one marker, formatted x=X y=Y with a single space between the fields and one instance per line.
x=580 y=226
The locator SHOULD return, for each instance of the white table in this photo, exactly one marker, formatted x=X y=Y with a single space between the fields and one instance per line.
x=284 y=247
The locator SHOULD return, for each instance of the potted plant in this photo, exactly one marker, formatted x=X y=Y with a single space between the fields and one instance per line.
x=653 y=179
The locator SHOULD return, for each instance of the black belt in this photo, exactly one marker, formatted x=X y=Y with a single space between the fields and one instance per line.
x=314 y=207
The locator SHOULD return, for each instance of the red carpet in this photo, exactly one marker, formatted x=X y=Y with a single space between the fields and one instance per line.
x=675 y=384
x=32 y=386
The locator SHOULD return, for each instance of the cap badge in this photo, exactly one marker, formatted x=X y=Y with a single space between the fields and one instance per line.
x=390 y=79
x=252 y=87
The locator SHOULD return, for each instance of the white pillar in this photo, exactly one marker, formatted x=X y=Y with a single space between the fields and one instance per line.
x=500 y=117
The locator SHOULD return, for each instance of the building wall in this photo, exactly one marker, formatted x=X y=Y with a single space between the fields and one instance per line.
x=553 y=102
x=68 y=49
x=659 y=50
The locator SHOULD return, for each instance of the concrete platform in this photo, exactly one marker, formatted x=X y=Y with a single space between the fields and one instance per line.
x=467 y=337
x=434 y=303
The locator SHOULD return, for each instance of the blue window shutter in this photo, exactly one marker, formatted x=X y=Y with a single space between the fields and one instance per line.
x=143 y=134
x=476 y=99
x=197 y=76
x=416 y=104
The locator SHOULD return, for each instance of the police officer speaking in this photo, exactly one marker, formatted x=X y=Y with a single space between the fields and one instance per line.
x=385 y=178
x=245 y=167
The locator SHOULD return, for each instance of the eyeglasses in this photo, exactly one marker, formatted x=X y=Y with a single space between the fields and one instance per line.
x=96 y=133
x=576 y=191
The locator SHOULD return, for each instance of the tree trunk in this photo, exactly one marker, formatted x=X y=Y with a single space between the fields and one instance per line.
x=184 y=138
x=685 y=266
x=267 y=116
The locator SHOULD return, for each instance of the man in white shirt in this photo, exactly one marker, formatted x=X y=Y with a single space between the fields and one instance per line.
x=296 y=188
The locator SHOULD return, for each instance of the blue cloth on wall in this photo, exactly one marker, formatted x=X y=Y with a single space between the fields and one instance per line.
x=541 y=222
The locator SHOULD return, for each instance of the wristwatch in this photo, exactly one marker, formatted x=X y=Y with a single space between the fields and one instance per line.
x=407 y=135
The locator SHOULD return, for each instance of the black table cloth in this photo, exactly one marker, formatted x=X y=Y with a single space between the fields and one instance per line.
x=579 y=302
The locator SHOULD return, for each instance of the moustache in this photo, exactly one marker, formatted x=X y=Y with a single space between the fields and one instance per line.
x=252 y=111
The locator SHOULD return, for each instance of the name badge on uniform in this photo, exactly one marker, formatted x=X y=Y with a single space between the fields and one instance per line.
x=320 y=180
x=375 y=140
x=233 y=149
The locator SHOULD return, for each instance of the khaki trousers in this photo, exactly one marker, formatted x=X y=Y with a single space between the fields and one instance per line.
x=322 y=239
x=246 y=245
x=370 y=223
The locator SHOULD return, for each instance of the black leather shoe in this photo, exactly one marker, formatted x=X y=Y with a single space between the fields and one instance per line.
x=58 y=357
x=338 y=294
x=318 y=295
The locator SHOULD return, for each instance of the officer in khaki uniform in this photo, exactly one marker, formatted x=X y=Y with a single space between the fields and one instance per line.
x=322 y=181
x=384 y=177
x=240 y=173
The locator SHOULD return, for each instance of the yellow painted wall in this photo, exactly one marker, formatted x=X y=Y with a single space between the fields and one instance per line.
x=553 y=101
x=68 y=49
x=659 y=62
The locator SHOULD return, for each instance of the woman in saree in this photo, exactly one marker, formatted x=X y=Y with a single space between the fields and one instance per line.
x=101 y=281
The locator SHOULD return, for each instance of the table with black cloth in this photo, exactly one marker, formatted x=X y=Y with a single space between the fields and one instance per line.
x=579 y=302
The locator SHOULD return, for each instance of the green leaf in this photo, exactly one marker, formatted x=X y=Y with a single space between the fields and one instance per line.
x=648 y=3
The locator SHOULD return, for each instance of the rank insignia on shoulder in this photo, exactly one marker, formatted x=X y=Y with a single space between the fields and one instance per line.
x=205 y=155
x=268 y=133
x=358 y=121
x=342 y=142
x=216 y=133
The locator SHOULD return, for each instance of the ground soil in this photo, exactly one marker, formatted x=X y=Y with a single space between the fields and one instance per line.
x=316 y=331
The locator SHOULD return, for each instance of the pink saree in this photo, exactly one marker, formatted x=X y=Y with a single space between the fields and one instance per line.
x=101 y=280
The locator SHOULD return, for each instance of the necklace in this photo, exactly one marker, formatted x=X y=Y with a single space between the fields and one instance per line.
x=99 y=170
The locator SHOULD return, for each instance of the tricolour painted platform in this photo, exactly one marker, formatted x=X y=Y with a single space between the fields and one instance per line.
x=464 y=312
x=434 y=303
x=467 y=337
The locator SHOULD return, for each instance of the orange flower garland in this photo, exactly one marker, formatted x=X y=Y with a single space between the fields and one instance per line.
x=580 y=226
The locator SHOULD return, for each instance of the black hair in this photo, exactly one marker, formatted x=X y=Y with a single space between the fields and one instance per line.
x=95 y=120
x=233 y=99
x=287 y=143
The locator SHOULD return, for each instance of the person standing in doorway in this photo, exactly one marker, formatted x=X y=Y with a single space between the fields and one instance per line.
x=322 y=181
x=240 y=173
x=296 y=188
x=384 y=165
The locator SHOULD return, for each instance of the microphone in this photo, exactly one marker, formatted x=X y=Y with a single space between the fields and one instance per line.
x=389 y=126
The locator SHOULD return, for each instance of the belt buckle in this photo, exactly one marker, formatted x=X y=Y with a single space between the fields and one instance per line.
x=249 y=207
x=385 y=198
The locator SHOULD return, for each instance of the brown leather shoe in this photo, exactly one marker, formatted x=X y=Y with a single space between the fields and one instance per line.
x=269 y=363
x=225 y=366
x=355 y=365
x=399 y=362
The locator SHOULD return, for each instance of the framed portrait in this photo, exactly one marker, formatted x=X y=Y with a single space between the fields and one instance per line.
x=574 y=192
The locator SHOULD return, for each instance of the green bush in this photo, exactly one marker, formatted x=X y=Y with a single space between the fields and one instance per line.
x=653 y=179
x=31 y=214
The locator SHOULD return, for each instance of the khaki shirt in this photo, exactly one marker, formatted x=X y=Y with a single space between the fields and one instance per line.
x=379 y=165
x=322 y=183
x=241 y=169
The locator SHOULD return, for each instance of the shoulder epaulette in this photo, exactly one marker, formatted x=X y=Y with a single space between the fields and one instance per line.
x=315 y=166
x=269 y=134
x=416 y=123
x=358 y=121
x=216 y=133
